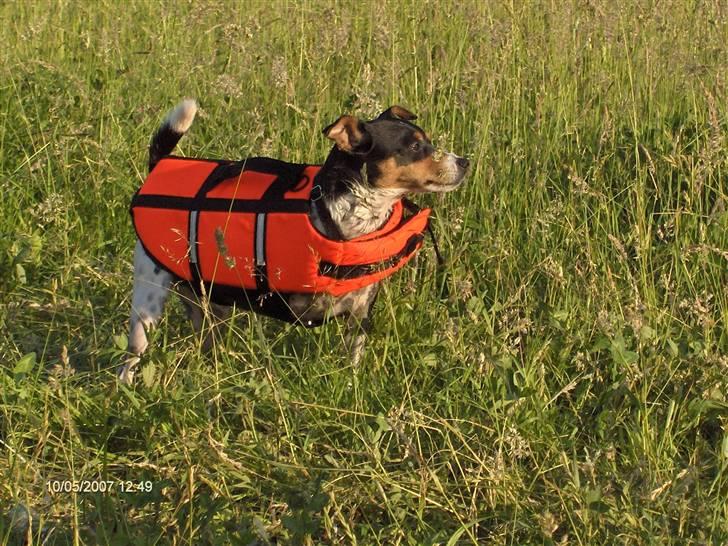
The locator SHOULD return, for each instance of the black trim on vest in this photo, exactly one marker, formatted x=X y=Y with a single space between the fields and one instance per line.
x=219 y=204
x=341 y=272
x=266 y=303
x=206 y=159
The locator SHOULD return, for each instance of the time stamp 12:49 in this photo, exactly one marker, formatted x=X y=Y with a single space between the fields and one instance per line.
x=99 y=486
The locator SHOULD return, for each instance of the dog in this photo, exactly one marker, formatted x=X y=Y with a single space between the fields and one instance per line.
x=371 y=167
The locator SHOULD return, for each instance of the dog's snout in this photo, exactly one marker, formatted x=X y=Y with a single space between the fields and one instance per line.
x=462 y=163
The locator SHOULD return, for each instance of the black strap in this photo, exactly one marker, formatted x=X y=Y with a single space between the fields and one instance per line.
x=331 y=230
x=219 y=204
x=414 y=209
x=441 y=274
x=287 y=175
x=431 y=231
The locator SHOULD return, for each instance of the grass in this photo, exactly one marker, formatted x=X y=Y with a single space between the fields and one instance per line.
x=561 y=381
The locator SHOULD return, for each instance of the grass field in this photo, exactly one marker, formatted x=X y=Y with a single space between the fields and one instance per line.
x=563 y=380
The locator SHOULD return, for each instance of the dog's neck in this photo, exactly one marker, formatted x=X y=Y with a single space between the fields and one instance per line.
x=355 y=205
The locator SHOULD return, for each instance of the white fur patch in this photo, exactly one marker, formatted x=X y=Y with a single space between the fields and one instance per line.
x=180 y=119
x=363 y=210
x=151 y=288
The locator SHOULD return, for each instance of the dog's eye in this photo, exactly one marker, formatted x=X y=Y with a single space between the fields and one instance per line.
x=415 y=146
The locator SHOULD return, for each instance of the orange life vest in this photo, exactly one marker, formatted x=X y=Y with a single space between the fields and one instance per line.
x=243 y=230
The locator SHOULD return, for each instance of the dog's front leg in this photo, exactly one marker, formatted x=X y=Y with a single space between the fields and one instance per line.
x=151 y=289
x=359 y=323
x=356 y=339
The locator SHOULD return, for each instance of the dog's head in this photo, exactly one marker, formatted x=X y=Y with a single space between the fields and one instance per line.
x=396 y=153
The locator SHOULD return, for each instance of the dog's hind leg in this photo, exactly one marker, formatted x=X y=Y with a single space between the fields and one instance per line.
x=151 y=289
x=208 y=319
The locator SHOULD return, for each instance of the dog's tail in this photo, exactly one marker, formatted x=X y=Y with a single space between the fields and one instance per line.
x=175 y=125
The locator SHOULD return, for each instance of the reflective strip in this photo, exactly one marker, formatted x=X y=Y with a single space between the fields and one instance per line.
x=193 y=237
x=260 y=240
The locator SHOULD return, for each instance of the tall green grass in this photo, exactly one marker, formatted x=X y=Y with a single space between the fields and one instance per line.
x=561 y=381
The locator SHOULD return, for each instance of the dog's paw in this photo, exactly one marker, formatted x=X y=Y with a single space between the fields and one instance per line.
x=125 y=373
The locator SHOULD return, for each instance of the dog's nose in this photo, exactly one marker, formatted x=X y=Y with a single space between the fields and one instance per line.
x=462 y=163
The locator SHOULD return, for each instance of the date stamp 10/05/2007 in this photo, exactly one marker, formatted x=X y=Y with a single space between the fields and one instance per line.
x=59 y=487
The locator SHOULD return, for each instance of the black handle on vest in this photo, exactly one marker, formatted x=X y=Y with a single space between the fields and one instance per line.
x=287 y=175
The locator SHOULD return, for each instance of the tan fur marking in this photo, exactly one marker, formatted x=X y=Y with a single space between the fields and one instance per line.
x=344 y=132
x=401 y=113
x=410 y=177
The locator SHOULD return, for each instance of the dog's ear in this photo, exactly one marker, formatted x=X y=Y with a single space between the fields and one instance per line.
x=350 y=135
x=397 y=112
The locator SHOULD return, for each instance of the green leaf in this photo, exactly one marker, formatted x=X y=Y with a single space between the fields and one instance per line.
x=430 y=360
x=25 y=364
x=148 y=373
x=673 y=348
x=20 y=274
x=627 y=357
x=647 y=333
x=475 y=305
x=455 y=537
x=600 y=344
x=382 y=423
x=318 y=501
x=620 y=354
x=592 y=495
x=505 y=362
x=698 y=347
x=599 y=506
x=575 y=473
x=130 y=395
x=28 y=248
x=121 y=342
